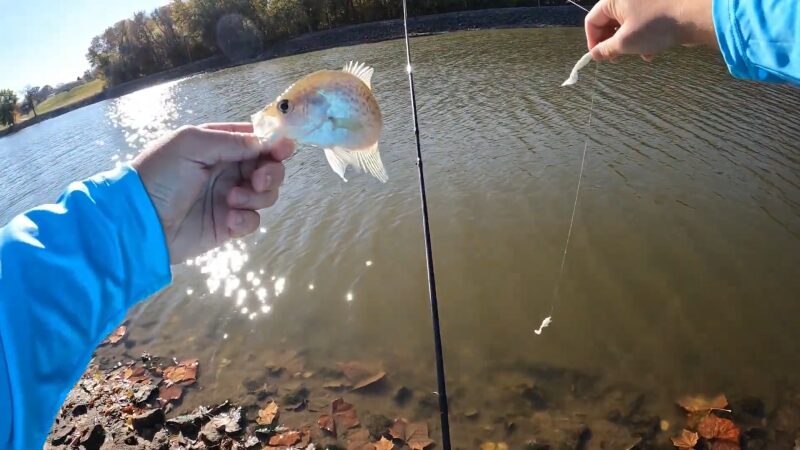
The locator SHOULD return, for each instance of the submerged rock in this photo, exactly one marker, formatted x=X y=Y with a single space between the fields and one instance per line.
x=92 y=438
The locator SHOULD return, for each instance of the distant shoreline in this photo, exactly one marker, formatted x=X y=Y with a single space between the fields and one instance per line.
x=365 y=33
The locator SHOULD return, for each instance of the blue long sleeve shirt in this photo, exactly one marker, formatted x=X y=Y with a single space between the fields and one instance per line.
x=69 y=272
x=760 y=39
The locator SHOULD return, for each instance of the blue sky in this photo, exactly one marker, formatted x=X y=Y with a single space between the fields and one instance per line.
x=45 y=41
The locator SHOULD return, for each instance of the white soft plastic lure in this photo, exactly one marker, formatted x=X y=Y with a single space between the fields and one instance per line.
x=333 y=110
x=573 y=76
x=545 y=323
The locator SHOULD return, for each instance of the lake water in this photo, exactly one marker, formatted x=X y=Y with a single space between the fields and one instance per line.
x=683 y=272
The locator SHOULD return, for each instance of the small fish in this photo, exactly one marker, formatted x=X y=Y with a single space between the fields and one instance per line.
x=333 y=110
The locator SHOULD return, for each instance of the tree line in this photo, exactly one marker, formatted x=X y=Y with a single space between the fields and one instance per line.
x=189 y=30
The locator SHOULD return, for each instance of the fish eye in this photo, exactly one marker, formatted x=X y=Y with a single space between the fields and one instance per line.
x=283 y=106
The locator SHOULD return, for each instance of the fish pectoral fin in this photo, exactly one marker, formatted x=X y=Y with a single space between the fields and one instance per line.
x=347 y=124
x=362 y=71
x=573 y=76
x=368 y=160
x=337 y=164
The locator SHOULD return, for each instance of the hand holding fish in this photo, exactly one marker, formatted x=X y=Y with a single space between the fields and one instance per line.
x=647 y=27
x=208 y=182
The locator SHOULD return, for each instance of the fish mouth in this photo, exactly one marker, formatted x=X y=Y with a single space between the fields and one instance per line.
x=265 y=127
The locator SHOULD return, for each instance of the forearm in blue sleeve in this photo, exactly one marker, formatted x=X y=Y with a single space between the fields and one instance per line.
x=69 y=272
x=760 y=39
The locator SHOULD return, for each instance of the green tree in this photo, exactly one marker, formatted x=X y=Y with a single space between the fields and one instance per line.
x=30 y=99
x=8 y=106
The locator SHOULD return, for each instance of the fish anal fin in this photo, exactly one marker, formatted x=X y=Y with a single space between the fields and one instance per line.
x=361 y=71
x=368 y=160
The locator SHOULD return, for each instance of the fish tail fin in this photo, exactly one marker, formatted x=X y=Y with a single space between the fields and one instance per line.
x=361 y=71
x=368 y=160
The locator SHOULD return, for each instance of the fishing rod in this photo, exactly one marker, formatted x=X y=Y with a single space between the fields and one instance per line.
x=437 y=335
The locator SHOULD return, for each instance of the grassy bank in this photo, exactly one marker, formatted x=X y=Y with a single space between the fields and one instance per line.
x=75 y=94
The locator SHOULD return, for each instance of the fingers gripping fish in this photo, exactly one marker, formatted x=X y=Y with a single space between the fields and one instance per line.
x=332 y=110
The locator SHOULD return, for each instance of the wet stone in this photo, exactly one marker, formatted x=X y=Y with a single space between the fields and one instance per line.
x=80 y=409
x=62 y=434
x=148 y=420
x=535 y=397
x=187 y=424
x=143 y=393
x=377 y=425
x=92 y=438
x=403 y=395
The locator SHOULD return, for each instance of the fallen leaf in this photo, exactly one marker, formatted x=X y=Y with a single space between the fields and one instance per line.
x=718 y=444
x=713 y=427
x=116 y=335
x=229 y=422
x=267 y=414
x=687 y=439
x=326 y=423
x=414 y=434
x=702 y=404
x=359 y=440
x=185 y=371
x=285 y=439
x=337 y=385
x=360 y=375
x=494 y=446
x=384 y=444
x=168 y=393
x=135 y=374
x=344 y=415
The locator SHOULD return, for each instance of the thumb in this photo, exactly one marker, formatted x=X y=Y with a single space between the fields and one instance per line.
x=215 y=146
x=609 y=49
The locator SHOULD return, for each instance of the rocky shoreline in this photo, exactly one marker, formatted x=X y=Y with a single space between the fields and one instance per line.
x=545 y=16
x=357 y=405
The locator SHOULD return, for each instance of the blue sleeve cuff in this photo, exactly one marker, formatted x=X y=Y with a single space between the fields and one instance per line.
x=729 y=38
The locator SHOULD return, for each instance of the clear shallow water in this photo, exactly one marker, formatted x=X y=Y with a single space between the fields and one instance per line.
x=682 y=270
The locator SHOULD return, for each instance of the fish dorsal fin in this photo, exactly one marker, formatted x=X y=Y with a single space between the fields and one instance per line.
x=368 y=160
x=362 y=71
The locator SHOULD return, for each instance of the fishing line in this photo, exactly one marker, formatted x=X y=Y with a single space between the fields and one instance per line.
x=437 y=336
x=557 y=289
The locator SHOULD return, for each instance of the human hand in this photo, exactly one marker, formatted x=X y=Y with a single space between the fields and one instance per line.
x=208 y=182
x=647 y=27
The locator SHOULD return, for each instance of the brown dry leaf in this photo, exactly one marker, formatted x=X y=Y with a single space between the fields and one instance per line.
x=702 y=404
x=116 y=335
x=687 y=439
x=326 y=423
x=713 y=427
x=344 y=415
x=398 y=429
x=337 y=385
x=384 y=444
x=718 y=444
x=414 y=434
x=185 y=371
x=268 y=414
x=360 y=375
x=285 y=439
x=135 y=374
x=168 y=393
x=359 y=440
